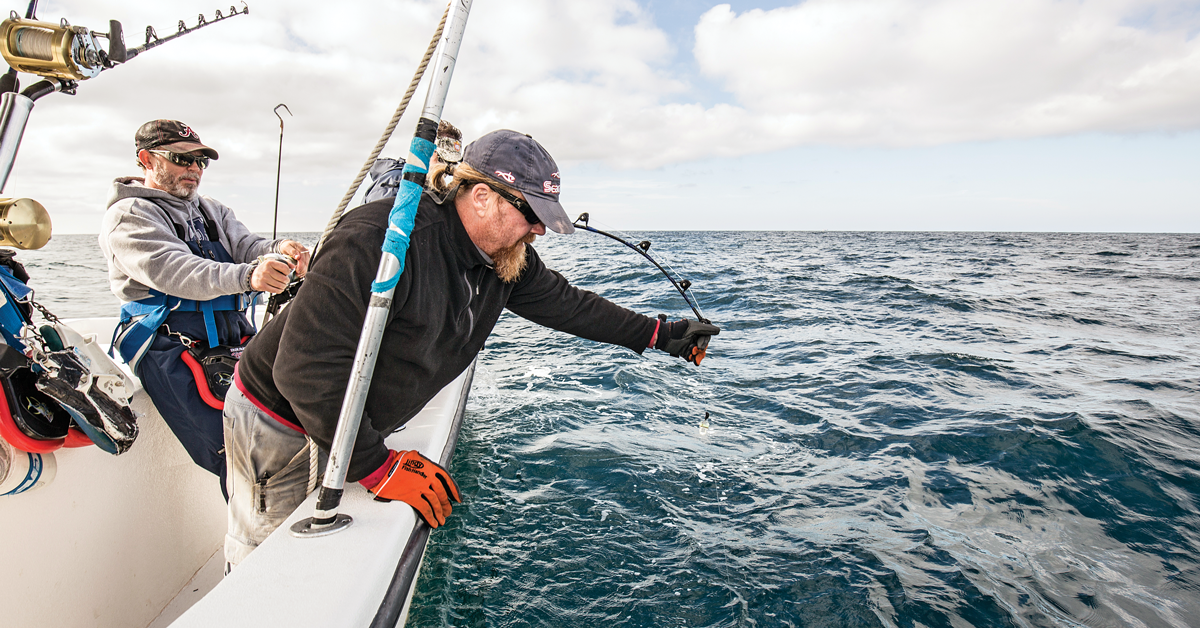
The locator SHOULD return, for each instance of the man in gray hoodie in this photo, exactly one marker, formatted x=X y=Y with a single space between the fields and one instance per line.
x=186 y=269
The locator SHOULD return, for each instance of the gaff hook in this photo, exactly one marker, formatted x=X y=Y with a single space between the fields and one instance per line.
x=278 y=165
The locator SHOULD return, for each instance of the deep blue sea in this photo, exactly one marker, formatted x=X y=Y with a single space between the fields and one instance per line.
x=906 y=429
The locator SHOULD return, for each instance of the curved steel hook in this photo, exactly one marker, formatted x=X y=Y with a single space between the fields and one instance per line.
x=279 y=166
x=285 y=108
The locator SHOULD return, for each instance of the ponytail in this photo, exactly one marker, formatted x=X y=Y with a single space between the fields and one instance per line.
x=445 y=177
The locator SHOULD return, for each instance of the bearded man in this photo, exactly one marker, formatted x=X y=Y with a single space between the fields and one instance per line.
x=186 y=269
x=468 y=259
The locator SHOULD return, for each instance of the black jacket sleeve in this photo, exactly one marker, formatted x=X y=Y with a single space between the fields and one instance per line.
x=545 y=297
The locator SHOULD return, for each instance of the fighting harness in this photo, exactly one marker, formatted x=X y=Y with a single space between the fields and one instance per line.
x=210 y=361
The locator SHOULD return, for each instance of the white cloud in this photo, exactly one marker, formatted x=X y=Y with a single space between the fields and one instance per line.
x=911 y=72
x=597 y=80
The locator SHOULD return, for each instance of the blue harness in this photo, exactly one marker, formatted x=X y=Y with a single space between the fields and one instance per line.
x=147 y=315
x=12 y=319
x=141 y=320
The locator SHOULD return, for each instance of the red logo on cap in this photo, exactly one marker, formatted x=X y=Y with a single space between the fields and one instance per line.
x=549 y=188
x=555 y=175
x=507 y=176
x=186 y=132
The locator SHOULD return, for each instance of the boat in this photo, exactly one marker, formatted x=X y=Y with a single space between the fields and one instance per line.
x=136 y=539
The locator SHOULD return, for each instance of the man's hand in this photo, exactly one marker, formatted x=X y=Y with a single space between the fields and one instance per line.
x=298 y=252
x=685 y=339
x=420 y=483
x=270 y=276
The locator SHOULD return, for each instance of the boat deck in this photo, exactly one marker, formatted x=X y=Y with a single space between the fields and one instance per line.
x=136 y=540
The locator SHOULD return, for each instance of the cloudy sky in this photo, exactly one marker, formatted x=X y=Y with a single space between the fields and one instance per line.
x=944 y=115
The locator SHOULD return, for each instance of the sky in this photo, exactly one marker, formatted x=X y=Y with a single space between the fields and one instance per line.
x=865 y=115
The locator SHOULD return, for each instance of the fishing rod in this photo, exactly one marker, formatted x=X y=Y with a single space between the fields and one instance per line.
x=326 y=519
x=182 y=27
x=73 y=52
x=62 y=55
x=643 y=248
x=681 y=284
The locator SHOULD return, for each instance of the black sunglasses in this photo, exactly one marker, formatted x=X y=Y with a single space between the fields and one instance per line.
x=522 y=206
x=183 y=161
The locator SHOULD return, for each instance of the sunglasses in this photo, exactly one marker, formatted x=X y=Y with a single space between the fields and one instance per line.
x=522 y=206
x=183 y=161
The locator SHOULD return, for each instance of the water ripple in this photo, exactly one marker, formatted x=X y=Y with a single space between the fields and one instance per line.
x=907 y=429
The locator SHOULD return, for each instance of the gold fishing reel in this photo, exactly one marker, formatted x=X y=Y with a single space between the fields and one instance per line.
x=24 y=223
x=50 y=50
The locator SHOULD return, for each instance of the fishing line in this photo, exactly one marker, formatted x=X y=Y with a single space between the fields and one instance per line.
x=681 y=284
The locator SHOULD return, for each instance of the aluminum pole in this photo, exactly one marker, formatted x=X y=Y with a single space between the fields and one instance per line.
x=14 y=115
x=326 y=519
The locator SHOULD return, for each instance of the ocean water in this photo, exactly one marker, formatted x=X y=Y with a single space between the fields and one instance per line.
x=906 y=429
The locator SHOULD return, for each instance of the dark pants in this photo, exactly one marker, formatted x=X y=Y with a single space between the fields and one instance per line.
x=172 y=387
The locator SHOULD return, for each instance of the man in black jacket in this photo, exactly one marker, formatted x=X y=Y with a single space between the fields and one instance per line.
x=467 y=261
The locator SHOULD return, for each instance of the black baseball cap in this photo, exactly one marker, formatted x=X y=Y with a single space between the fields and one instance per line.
x=170 y=135
x=519 y=162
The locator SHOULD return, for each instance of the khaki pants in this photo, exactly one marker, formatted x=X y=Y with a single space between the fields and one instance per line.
x=271 y=469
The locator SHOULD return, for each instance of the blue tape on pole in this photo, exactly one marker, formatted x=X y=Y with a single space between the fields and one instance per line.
x=404 y=213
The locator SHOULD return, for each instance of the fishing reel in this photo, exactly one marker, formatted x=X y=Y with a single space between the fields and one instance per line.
x=280 y=257
x=276 y=301
x=55 y=50
x=73 y=53
x=24 y=223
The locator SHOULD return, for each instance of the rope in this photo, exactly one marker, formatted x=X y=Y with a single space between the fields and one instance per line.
x=312 y=466
x=387 y=133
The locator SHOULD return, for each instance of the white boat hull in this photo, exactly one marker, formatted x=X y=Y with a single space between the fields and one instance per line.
x=116 y=540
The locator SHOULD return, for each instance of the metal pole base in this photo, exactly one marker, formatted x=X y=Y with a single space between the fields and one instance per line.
x=304 y=528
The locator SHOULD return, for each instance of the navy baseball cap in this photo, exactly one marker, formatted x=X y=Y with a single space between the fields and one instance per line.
x=170 y=135
x=517 y=160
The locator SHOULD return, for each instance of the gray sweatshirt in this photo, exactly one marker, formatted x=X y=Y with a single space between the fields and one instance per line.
x=144 y=251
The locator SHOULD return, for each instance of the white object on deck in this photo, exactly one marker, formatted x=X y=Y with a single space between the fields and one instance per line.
x=114 y=541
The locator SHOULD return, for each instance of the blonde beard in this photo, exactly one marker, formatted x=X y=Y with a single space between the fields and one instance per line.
x=510 y=262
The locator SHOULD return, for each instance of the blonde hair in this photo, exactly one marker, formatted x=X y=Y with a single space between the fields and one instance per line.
x=508 y=264
x=445 y=177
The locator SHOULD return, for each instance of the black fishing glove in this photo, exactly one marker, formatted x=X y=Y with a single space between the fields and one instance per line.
x=685 y=339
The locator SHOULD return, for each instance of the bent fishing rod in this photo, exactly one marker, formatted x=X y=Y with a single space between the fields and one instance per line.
x=681 y=284
x=643 y=248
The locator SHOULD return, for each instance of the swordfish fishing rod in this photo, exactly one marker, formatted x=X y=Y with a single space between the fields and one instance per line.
x=643 y=248
x=326 y=519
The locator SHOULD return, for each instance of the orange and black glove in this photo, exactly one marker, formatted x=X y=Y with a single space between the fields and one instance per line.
x=420 y=483
x=685 y=339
